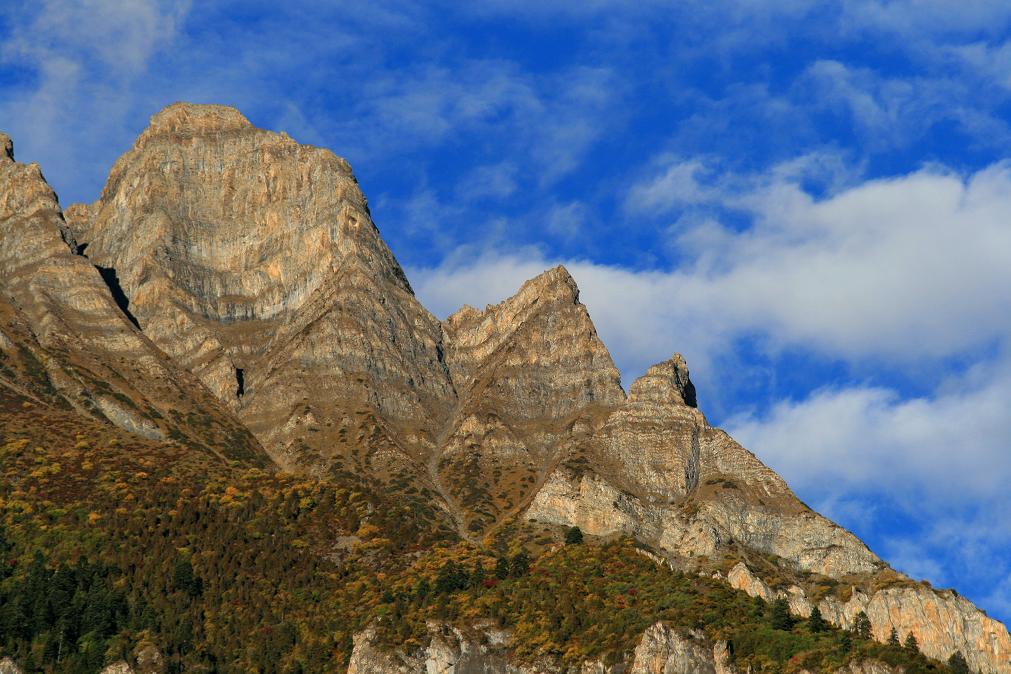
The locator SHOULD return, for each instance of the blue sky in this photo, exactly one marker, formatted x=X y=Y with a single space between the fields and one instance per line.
x=811 y=201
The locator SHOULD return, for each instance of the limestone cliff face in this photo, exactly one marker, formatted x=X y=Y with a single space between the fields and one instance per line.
x=941 y=621
x=65 y=341
x=531 y=375
x=658 y=471
x=253 y=261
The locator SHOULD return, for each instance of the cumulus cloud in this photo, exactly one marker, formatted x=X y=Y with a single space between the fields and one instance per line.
x=901 y=269
x=937 y=467
x=950 y=446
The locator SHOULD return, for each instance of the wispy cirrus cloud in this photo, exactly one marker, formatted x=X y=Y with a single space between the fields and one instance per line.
x=78 y=61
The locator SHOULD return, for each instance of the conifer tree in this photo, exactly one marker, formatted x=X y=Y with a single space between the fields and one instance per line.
x=574 y=536
x=519 y=565
x=502 y=568
x=781 y=618
x=815 y=622
x=477 y=578
x=957 y=663
x=5 y=550
x=863 y=626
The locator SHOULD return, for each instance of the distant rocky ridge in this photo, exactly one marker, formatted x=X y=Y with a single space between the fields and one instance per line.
x=229 y=278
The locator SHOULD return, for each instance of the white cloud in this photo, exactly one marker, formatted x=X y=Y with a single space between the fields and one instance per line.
x=85 y=58
x=950 y=446
x=679 y=183
x=489 y=181
x=542 y=124
x=941 y=462
x=903 y=269
x=566 y=220
x=916 y=20
x=123 y=36
x=900 y=272
x=990 y=62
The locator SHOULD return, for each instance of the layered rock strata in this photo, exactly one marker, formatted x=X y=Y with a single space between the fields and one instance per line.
x=65 y=341
x=657 y=470
x=253 y=261
x=941 y=621
x=532 y=376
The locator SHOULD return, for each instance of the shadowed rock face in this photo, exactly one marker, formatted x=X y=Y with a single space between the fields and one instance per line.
x=65 y=342
x=253 y=262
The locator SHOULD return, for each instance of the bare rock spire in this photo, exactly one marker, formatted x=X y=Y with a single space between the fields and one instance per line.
x=665 y=383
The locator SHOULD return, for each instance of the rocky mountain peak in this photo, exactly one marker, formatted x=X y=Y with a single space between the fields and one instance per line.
x=555 y=284
x=552 y=285
x=543 y=326
x=73 y=340
x=193 y=118
x=665 y=383
x=25 y=192
x=253 y=261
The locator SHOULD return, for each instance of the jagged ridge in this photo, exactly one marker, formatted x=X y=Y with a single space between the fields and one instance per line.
x=240 y=250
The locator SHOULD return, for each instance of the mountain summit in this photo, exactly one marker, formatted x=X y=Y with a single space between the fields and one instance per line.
x=230 y=291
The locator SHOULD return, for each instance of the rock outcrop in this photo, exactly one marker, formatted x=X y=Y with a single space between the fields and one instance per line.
x=941 y=621
x=662 y=649
x=449 y=651
x=656 y=470
x=252 y=260
x=119 y=667
x=66 y=342
x=531 y=375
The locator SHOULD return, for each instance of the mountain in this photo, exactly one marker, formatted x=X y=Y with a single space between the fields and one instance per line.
x=229 y=303
x=67 y=343
x=252 y=261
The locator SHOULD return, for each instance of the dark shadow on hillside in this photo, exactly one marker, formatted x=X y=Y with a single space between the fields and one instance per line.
x=112 y=280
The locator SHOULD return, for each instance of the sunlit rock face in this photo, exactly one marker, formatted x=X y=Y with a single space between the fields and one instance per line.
x=253 y=261
x=65 y=341
x=658 y=471
x=533 y=378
